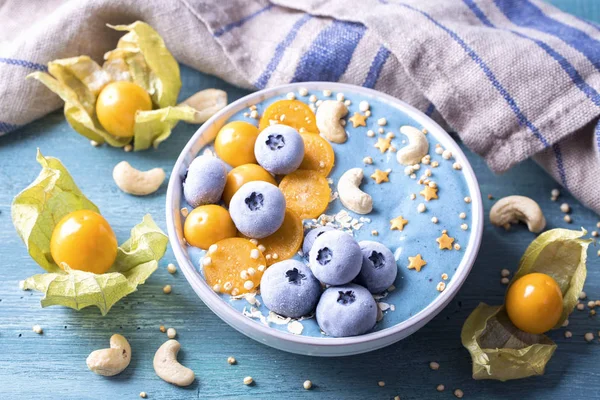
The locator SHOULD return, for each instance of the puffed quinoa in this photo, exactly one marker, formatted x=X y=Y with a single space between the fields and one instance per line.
x=171 y=333
x=381 y=121
x=370 y=133
x=447 y=154
x=248 y=285
x=254 y=114
x=568 y=334
x=582 y=295
x=368 y=160
x=307 y=384
x=231 y=360
x=413 y=196
x=312 y=98
x=368 y=113
x=564 y=207
x=434 y=220
x=457 y=166
x=504 y=273
x=462 y=215
x=94 y=143
x=37 y=329
x=439 y=150
x=434 y=365
x=435 y=164
x=588 y=337
x=458 y=393
x=594 y=233
x=421 y=208
x=340 y=97
x=127 y=148
x=363 y=106
x=303 y=92
x=326 y=92
x=171 y=268
x=143 y=395
x=381 y=383
x=467 y=199
x=456 y=246
x=464 y=227
x=580 y=307
x=374 y=232
x=441 y=286
x=162 y=328
x=568 y=218
x=167 y=289
x=248 y=380
x=504 y=281
x=440 y=388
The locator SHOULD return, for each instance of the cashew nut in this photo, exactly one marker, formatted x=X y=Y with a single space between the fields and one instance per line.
x=329 y=114
x=417 y=147
x=136 y=182
x=350 y=195
x=168 y=368
x=206 y=103
x=111 y=361
x=511 y=209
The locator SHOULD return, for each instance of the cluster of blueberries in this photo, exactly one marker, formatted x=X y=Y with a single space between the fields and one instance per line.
x=353 y=271
x=257 y=208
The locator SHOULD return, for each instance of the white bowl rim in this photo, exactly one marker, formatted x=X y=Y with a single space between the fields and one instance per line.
x=215 y=302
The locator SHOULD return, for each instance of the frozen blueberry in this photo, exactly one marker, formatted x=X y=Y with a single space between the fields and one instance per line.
x=289 y=288
x=279 y=149
x=204 y=181
x=335 y=258
x=310 y=237
x=347 y=310
x=257 y=209
x=379 y=268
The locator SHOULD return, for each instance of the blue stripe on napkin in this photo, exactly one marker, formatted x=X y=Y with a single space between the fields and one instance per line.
x=376 y=66
x=330 y=53
x=430 y=109
x=559 y=164
x=526 y=14
x=262 y=81
x=237 y=24
x=24 y=64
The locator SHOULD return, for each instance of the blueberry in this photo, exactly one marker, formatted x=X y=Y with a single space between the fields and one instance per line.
x=379 y=269
x=257 y=209
x=204 y=181
x=335 y=258
x=289 y=288
x=279 y=149
x=310 y=237
x=347 y=310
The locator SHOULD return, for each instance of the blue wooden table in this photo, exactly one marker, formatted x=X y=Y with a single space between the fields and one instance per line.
x=52 y=365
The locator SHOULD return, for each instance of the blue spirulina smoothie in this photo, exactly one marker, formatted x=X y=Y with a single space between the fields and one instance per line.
x=414 y=290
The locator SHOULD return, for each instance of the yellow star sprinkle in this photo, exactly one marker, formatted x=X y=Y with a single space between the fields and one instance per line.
x=358 y=120
x=383 y=144
x=398 y=223
x=380 y=176
x=429 y=193
x=416 y=262
x=445 y=241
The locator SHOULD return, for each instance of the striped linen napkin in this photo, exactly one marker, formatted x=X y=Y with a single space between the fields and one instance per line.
x=514 y=78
